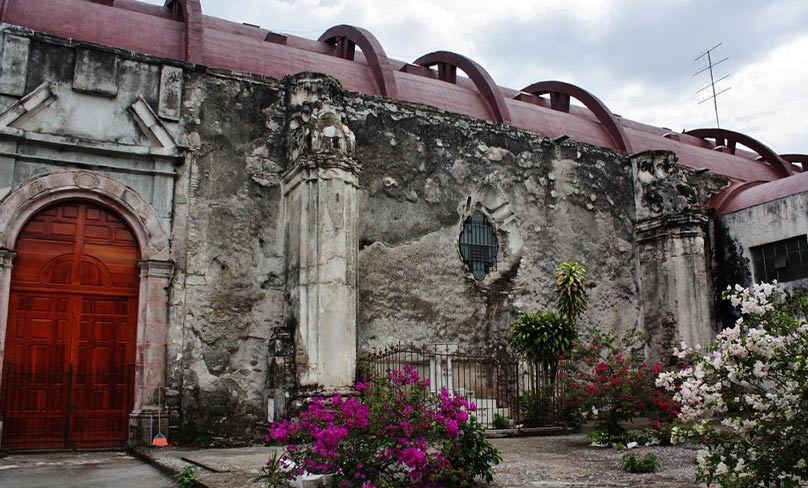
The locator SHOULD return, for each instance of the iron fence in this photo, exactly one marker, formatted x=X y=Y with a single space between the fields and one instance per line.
x=519 y=391
x=73 y=409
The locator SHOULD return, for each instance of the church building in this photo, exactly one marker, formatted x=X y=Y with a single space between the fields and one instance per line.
x=202 y=221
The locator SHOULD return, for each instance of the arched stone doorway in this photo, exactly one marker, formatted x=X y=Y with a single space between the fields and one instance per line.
x=70 y=343
x=144 y=292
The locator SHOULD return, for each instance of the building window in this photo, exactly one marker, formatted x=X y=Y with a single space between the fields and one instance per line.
x=785 y=260
x=478 y=245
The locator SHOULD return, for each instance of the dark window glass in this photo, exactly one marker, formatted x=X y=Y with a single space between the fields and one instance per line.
x=785 y=260
x=478 y=245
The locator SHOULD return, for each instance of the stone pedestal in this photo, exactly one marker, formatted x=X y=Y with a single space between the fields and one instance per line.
x=321 y=235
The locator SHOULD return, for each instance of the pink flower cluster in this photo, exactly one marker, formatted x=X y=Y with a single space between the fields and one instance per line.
x=395 y=434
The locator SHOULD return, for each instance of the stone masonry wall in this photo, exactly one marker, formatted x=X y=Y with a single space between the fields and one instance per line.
x=227 y=311
x=424 y=171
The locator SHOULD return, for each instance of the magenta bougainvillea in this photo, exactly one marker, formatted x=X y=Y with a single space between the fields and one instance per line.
x=394 y=434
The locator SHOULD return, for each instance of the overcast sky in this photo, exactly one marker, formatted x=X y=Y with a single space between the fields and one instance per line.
x=635 y=55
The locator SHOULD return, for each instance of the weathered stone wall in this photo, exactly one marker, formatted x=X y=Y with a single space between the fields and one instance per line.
x=424 y=171
x=227 y=316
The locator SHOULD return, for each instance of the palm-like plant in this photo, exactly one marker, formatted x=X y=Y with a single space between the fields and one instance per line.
x=570 y=288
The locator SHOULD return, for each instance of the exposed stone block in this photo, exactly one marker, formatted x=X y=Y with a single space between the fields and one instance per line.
x=170 y=93
x=14 y=65
x=96 y=72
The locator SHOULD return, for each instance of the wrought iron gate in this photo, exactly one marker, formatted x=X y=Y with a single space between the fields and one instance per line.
x=73 y=409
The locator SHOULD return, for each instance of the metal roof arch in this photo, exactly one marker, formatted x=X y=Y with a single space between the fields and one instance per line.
x=478 y=75
x=800 y=160
x=730 y=139
x=560 y=94
x=347 y=37
x=190 y=13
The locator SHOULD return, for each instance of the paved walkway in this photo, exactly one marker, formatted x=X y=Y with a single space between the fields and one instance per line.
x=79 y=470
x=547 y=462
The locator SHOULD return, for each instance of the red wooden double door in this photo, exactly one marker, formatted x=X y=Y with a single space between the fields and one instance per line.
x=68 y=376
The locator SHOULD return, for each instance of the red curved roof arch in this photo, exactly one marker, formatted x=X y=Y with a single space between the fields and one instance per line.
x=730 y=139
x=560 y=93
x=347 y=37
x=190 y=12
x=802 y=159
x=448 y=61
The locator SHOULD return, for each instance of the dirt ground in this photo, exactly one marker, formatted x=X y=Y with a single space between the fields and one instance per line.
x=570 y=462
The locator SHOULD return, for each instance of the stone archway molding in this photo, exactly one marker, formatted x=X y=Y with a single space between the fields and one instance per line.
x=155 y=271
x=30 y=198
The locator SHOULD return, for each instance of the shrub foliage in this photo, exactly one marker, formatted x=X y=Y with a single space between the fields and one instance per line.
x=745 y=397
x=396 y=434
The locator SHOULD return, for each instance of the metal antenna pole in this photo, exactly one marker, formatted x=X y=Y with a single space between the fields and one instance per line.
x=713 y=81
x=712 y=84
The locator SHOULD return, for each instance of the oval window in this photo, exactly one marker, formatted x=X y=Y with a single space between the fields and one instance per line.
x=479 y=245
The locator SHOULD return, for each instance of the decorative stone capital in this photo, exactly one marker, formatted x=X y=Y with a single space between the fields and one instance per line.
x=663 y=188
x=318 y=135
x=671 y=226
x=156 y=269
x=7 y=258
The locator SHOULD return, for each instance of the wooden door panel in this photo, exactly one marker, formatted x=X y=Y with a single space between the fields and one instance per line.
x=71 y=336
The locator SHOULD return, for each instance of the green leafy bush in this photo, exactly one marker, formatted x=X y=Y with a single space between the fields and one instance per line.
x=186 y=478
x=536 y=408
x=603 y=437
x=501 y=422
x=471 y=458
x=745 y=397
x=542 y=336
x=647 y=464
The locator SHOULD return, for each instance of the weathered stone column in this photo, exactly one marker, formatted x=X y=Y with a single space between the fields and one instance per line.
x=320 y=207
x=150 y=355
x=672 y=251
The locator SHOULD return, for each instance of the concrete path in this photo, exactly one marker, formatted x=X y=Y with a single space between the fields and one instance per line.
x=543 y=462
x=79 y=470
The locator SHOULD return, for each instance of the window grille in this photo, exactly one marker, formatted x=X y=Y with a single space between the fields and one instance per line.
x=479 y=245
x=785 y=260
